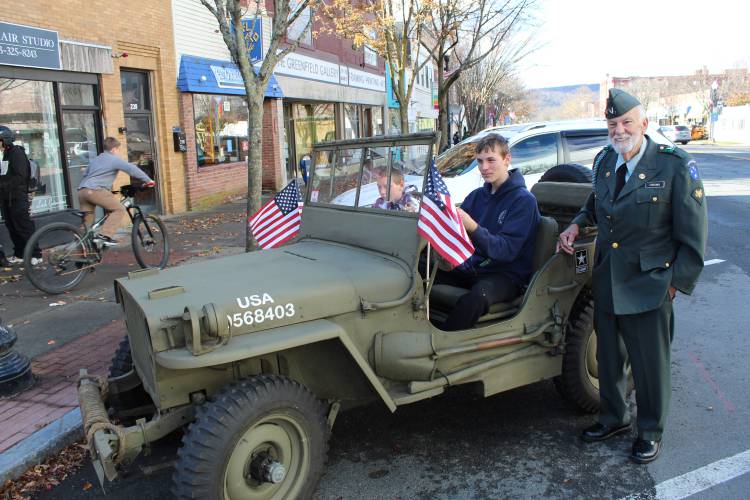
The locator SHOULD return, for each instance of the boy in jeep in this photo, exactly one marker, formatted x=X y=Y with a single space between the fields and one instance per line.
x=501 y=219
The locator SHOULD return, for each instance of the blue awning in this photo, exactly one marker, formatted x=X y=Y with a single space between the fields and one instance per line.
x=213 y=76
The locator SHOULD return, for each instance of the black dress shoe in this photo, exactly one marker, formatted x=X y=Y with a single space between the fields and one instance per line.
x=600 y=432
x=645 y=451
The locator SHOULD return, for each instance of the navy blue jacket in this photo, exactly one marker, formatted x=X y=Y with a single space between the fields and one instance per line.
x=504 y=240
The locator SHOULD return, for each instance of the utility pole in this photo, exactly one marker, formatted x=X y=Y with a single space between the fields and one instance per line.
x=714 y=107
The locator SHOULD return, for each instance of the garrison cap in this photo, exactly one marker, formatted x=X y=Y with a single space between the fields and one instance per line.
x=619 y=102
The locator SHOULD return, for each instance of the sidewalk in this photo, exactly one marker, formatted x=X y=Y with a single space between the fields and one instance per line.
x=82 y=329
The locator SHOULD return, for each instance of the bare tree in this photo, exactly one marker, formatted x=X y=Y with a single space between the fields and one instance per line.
x=229 y=15
x=395 y=30
x=465 y=33
x=479 y=87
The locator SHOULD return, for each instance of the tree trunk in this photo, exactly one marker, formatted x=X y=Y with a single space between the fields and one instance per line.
x=403 y=114
x=254 y=165
x=445 y=140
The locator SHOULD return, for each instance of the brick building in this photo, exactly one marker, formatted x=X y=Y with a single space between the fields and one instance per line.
x=325 y=90
x=74 y=72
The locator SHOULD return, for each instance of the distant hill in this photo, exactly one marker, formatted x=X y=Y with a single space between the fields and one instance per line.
x=550 y=97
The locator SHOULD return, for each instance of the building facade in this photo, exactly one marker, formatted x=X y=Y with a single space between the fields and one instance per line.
x=324 y=90
x=67 y=82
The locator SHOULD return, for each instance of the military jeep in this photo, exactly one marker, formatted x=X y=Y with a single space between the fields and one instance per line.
x=255 y=354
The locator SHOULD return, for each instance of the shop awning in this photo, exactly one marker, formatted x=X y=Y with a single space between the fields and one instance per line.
x=213 y=76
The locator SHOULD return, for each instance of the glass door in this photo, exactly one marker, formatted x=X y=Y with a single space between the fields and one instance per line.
x=139 y=136
x=81 y=145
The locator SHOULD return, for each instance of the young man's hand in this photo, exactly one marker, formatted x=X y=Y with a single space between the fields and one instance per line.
x=469 y=224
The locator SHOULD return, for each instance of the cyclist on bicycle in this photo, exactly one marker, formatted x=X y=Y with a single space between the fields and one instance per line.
x=96 y=189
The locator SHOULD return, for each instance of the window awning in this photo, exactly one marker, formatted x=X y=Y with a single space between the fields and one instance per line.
x=213 y=76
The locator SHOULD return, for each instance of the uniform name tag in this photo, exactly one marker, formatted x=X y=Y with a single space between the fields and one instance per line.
x=656 y=184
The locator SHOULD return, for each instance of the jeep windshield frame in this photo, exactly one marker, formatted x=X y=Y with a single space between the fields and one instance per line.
x=391 y=231
x=352 y=156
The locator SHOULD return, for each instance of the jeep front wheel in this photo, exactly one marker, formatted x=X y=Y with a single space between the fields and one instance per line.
x=265 y=437
x=579 y=381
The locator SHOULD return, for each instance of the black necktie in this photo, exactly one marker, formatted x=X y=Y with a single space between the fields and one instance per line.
x=620 y=181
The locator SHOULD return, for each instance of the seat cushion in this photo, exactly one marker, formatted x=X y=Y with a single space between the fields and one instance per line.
x=446 y=296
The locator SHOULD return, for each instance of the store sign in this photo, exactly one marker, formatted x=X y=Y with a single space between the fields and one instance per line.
x=309 y=68
x=29 y=47
x=253 y=38
x=343 y=75
x=364 y=80
x=228 y=77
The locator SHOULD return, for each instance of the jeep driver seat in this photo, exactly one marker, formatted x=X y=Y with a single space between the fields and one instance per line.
x=444 y=297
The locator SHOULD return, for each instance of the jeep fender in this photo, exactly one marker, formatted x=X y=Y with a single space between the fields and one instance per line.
x=272 y=341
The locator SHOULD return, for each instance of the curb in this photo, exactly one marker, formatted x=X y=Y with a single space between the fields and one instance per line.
x=40 y=445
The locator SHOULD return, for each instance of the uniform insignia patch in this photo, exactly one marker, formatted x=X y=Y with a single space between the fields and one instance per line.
x=608 y=174
x=641 y=176
x=693 y=169
x=582 y=261
x=698 y=195
x=656 y=184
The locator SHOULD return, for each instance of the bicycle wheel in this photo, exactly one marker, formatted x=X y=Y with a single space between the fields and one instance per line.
x=150 y=242
x=66 y=258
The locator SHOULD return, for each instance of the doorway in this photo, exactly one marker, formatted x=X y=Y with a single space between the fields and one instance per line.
x=139 y=133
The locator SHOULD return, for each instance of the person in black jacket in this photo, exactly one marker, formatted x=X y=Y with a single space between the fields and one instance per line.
x=14 y=196
x=501 y=218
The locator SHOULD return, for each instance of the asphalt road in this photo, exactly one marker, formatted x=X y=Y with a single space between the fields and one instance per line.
x=523 y=444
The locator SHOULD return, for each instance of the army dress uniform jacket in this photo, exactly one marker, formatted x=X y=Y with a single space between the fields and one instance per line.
x=652 y=236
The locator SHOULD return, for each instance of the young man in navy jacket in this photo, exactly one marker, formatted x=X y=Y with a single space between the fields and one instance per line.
x=501 y=219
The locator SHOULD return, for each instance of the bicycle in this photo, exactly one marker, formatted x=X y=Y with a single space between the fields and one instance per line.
x=68 y=254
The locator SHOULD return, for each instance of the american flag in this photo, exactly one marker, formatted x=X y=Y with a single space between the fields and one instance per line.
x=440 y=224
x=278 y=220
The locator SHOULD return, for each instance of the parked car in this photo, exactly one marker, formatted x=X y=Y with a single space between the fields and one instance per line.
x=535 y=148
x=676 y=133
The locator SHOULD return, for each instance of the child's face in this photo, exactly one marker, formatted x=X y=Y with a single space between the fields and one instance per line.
x=397 y=188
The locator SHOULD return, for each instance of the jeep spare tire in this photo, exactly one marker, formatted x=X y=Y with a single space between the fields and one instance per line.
x=567 y=172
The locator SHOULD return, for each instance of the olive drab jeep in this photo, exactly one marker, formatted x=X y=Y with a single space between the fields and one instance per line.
x=256 y=354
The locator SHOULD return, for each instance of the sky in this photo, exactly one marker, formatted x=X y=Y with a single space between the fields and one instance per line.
x=584 y=40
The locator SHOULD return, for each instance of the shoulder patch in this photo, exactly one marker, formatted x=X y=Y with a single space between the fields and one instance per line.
x=693 y=170
x=698 y=195
x=663 y=148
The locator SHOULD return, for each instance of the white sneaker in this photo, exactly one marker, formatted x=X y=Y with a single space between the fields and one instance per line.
x=15 y=260
x=35 y=261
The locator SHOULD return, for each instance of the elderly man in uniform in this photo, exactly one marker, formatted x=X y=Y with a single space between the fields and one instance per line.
x=649 y=207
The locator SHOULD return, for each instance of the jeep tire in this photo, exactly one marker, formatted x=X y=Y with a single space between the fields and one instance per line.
x=119 y=404
x=567 y=172
x=253 y=432
x=579 y=380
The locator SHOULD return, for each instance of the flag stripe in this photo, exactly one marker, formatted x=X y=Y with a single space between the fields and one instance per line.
x=450 y=239
x=289 y=222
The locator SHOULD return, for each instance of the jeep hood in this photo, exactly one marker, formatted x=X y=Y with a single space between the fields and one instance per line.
x=265 y=289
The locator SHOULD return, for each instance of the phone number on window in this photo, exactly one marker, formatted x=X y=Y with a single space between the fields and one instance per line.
x=7 y=50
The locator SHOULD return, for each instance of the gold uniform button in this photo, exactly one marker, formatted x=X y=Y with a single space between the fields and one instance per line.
x=615 y=245
x=655 y=198
x=666 y=264
x=641 y=176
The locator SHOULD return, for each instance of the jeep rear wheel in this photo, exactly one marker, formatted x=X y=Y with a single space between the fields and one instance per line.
x=265 y=437
x=579 y=381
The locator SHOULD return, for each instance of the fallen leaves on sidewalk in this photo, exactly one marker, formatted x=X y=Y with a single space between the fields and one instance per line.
x=47 y=475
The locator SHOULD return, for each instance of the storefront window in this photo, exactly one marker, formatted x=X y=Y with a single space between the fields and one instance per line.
x=74 y=94
x=351 y=121
x=220 y=128
x=28 y=108
x=312 y=123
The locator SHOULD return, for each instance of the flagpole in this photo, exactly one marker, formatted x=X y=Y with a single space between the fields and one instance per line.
x=427 y=282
